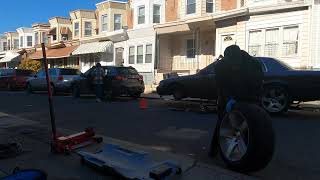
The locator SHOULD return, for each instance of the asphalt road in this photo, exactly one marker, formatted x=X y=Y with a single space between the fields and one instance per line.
x=164 y=127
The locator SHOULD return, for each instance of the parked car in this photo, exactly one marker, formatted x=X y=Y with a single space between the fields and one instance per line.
x=60 y=80
x=282 y=85
x=118 y=81
x=11 y=79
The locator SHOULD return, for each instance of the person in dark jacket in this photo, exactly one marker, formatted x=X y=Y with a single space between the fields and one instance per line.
x=239 y=77
x=98 y=81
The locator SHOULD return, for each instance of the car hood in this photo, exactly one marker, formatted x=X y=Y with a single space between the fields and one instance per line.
x=176 y=79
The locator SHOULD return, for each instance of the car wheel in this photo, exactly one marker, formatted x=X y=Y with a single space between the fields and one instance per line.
x=275 y=99
x=178 y=93
x=75 y=91
x=246 y=138
x=29 y=89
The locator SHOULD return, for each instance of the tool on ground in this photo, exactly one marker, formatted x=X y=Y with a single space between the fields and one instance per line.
x=143 y=103
x=130 y=164
x=65 y=144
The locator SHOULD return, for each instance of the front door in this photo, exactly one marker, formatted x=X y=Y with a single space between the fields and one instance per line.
x=226 y=41
x=119 y=56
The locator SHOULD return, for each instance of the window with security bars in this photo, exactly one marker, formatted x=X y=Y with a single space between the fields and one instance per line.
x=191 y=6
x=117 y=21
x=139 y=54
x=271 y=44
x=255 y=43
x=131 y=55
x=141 y=15
x=290 y=41
x=209 y=6
x=148 y=53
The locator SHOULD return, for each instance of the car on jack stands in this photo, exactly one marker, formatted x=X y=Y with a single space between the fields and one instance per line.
x=282 y=85
x=119 y=80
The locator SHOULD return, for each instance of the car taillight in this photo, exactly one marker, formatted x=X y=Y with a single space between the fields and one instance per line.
x=120 y=78
x=140 y=78
x=60 y=78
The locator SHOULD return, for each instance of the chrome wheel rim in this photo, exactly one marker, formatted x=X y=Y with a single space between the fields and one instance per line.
x=274 y=100
x=234 y=136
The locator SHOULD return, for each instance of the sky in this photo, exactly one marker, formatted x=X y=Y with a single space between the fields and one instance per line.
x=23 y=13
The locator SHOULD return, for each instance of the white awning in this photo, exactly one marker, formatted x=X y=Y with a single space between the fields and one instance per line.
x=10 y=56
x=94 y=47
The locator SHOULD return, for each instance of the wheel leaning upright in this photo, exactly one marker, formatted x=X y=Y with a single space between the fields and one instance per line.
x=246 y=138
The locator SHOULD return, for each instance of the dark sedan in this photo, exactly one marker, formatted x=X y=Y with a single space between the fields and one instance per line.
x=118 y=81
x=282 y=85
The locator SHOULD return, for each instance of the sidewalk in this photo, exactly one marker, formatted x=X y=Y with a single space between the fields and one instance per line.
x=35 y=139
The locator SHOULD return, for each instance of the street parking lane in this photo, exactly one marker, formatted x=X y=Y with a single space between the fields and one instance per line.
x=176 y=127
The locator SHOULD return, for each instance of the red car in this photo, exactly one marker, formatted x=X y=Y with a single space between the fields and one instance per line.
x=11 y=79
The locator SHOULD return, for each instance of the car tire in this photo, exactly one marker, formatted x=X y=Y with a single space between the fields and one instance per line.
x=75 y=91
x=275 y=99
x=246 y=138
x=29 y=89
x=178 y=93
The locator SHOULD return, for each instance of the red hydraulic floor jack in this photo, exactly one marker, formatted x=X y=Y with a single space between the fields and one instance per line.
x=66 y=144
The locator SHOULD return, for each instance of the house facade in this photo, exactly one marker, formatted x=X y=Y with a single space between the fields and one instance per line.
x=26 y=38
x=40 y=31
x=139 y=51
x=108 y=27
x=12 y=40
x=202 y=29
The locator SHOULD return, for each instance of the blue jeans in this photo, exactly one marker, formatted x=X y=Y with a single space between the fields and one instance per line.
x=99 y=91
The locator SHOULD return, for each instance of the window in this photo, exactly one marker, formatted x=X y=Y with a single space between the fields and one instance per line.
x=271 y=46
x=16 y=44
x=191 y=51
x=139 y=54
x=54 y=37
x=29 y=41
x=5 y=46
x=40 y=73
x=117 y=22
x=87 y=28
x=141 y=15
x=131 y=55
x=52 y=72
x=104 y=22
x=255 y=43
x=21 y=41
x=76 y=29
x=36 y=38
x=148 y=53
x=209 y=6
x=44 y=38
x=9 y=44
x=64 y=37
x=156 y=13
x=290 y=41
x=191 y=6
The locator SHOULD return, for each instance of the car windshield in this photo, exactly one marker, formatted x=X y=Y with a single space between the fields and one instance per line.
x=275 y=65
x=70 y=72
x=127 y=71
x=21 y=72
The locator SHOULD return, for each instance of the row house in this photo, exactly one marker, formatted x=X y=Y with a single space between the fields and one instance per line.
x=11 y=57
x=58 y=37
x=139 y=51
x=98 y=31
x=26 y=38
x=198 y=31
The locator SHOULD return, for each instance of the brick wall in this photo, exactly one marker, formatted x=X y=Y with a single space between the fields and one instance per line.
x=228 y=5
x=171 y=10
x=130 y=17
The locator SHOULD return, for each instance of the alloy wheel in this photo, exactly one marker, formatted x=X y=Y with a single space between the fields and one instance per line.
x=275 y=100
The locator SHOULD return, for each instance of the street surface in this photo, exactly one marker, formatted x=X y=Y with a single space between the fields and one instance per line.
x=165 y=127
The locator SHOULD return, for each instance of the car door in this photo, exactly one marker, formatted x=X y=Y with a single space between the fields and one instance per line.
x=86 y=85
x=36 y=81
x=208 y=82
x=2 y=78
